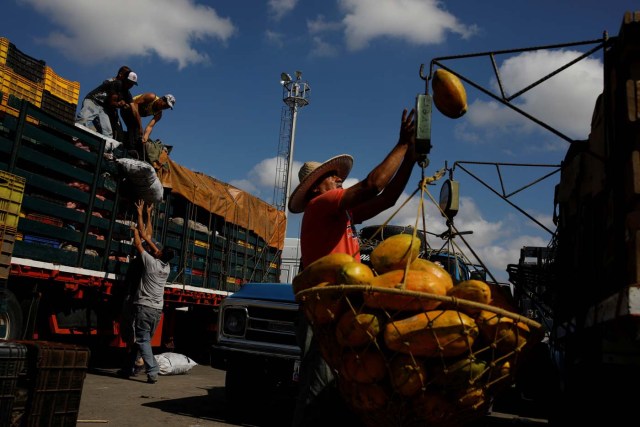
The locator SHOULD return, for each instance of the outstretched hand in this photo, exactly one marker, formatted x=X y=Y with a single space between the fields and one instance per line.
x=139 y=205
x=408 y=127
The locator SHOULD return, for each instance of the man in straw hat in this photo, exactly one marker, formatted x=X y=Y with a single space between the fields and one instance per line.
x=330 y=213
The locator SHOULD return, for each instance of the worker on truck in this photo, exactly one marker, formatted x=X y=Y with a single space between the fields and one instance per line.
x=100 y=106
x=145 y=105
x=328 y=226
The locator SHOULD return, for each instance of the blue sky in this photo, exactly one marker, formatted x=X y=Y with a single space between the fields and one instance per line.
x=223 y=59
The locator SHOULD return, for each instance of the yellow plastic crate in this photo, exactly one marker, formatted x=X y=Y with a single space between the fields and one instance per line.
x=18 y=86
x=11 y=193
x=64 y=89
x=4 y=50
x=14 y=112
x=201 y=244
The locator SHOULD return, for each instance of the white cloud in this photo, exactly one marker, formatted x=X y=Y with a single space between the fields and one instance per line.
x=421 y=22
x=565 y=101
x=322 y=49
x=279 y=8
x=93 y=31
x=320 y=25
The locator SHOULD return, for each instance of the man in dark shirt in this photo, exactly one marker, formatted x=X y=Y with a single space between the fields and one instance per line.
x=100 y=106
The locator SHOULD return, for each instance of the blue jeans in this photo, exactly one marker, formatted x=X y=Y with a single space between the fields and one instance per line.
x=146 y=322
x=94 y=117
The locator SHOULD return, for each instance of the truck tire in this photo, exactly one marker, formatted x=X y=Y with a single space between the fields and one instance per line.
x=10 y=316
x=243 y=383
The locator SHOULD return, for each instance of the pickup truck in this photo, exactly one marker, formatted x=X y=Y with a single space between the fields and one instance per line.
x=256 y=343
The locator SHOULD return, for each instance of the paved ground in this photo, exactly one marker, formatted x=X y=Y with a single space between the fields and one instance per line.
x=195 y=399
x=190 y=400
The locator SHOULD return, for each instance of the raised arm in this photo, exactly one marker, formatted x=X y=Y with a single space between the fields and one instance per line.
x=381 y=176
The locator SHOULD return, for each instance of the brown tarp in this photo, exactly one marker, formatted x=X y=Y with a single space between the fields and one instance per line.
x=234 y=205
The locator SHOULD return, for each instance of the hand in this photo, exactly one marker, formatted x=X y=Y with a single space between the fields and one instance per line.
x=149 y=208
x=139 y=205
x=408 y=127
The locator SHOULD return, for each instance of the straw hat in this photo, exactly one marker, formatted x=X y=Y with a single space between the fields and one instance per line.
x=309 y=174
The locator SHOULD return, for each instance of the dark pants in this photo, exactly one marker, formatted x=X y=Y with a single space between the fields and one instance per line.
x=319 y=402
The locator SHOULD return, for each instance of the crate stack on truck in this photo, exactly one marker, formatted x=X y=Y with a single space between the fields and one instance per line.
x=24 y=77
x=73 y=238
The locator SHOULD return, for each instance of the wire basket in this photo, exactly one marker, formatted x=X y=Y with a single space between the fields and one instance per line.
x=405 y=358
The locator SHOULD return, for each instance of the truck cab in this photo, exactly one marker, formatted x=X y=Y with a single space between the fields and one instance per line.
x=256 y=343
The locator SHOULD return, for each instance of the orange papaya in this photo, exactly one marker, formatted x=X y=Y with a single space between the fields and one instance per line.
x=433 y=268
x=414 y=280
x=446 y=333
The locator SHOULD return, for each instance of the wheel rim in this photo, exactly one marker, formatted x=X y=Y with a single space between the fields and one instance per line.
x=4 y=326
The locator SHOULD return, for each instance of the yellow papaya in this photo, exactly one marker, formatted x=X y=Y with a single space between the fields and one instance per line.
x=325 y=269
x=357 y=329
x=363 y=397
x=449 y=95
x=408 y=374
x=415 y=280
x=472 y=290
x=365 y=367
x=501 y=331
x=323 y=307
x=355 y=273
x=460 y=374
x=433 y=268
x=446 y=333
x=395 y=252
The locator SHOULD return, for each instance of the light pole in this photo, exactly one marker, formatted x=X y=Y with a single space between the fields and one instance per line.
x=295 y=94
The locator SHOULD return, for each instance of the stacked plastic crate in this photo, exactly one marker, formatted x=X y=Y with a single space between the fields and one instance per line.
x=11 y=194
x=31 y=79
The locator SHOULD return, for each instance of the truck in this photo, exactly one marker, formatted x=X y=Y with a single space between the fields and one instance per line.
x=67 y=205
x=583 y=287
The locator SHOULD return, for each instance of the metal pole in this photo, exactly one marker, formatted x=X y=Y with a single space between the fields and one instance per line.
x=294 y=113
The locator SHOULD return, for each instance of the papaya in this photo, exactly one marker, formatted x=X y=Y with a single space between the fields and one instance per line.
x=502 y=332
x=363 y=397
x=364 y=367
x=408 y=375
x=355 y=273
x=414 y=280
x=323 y=307
x=325 y=269
x=460 y=374
x=395 y=252
x=433 y=268
x=473 y=398
x=357 y=329
x=434 y=408
x=445 y=333
x=449 y=95
x=472 y=290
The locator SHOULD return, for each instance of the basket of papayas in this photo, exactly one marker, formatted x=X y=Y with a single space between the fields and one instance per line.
x=408 y=346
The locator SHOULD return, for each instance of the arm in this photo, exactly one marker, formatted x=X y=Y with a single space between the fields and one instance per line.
x=137 y=241
x=137 y=100
x=150 y=125
x=380 y=177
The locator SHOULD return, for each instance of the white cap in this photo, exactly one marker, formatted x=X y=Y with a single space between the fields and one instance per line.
x=170 y=99
x=133 y=77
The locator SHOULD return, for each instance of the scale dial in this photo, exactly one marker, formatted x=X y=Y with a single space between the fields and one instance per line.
x=449 y=198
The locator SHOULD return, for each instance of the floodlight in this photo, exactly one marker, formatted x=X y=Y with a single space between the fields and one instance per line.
x=298 y=75
x=285 y=77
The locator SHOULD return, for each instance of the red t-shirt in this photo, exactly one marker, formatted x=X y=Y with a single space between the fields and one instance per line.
x=327 y=229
